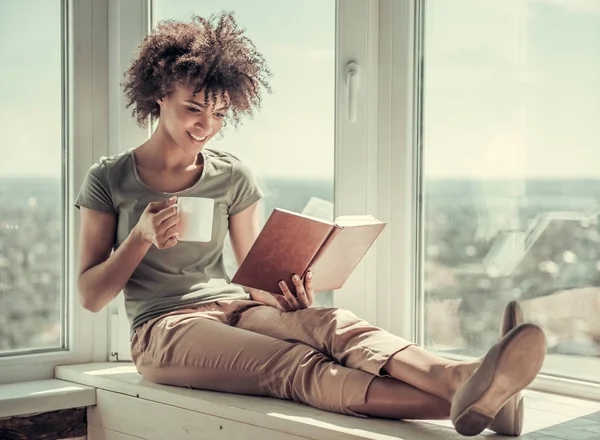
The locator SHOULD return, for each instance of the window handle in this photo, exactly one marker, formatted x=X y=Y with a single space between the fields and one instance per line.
x=352 y=89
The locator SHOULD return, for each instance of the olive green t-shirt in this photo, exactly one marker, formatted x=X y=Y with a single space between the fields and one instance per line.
x=190 y=273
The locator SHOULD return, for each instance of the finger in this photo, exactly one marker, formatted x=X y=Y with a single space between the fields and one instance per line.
x=172 y=232
x=280 y=302
x=300 y=292
x=288 y=295
x=169 y=238
x=167 y=224
x=169 y=243
x=157 y=206
x=164 y=214
x=275 y=300
x=308 y=286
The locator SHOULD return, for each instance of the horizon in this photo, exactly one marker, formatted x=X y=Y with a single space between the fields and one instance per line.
x=328 y=179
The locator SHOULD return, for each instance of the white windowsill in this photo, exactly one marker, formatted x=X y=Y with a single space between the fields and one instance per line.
x=547 y=416
x=39 y=396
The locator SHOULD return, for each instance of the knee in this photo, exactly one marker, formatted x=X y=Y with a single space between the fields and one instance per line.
x=311 y=371
x=342 y=319
x=331 y=324
x=304 y=365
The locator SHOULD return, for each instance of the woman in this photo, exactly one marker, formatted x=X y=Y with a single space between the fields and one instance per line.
x=190 y=326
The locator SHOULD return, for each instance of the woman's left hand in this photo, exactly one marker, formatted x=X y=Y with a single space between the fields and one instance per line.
x=305 y=295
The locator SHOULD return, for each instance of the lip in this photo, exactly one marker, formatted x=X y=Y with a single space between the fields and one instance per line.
x=196 y=140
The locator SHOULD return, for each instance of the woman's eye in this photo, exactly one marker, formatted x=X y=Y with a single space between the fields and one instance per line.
x=193 y=109
x=220 y=115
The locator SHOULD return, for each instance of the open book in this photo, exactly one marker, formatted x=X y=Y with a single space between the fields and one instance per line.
x=292 y=243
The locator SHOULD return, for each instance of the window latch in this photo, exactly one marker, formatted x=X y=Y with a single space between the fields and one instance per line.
x=352 y=89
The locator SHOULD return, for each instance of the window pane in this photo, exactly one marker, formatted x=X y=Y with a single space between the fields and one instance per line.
x=31 y=217
x=290 y=143
x=511 y=176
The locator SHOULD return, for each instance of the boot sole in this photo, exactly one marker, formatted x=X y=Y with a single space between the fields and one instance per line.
x=509 y=366
x=509 y=420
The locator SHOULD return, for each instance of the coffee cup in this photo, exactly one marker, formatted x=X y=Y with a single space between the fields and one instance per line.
x=195 y=218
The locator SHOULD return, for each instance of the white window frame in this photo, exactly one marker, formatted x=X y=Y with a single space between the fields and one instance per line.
x=129 y=22
x=85 y=141
x=375 y=171
x=355 y=174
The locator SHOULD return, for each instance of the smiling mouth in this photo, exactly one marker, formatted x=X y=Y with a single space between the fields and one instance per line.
x=197 y=138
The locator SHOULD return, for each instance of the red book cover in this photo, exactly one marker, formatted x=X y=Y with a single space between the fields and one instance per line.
x=292 y=243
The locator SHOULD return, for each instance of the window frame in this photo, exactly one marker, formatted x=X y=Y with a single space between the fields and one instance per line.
x=380 y=144
x=355 y=141
x=383 y=37
x=129 y=22
x=84 y=33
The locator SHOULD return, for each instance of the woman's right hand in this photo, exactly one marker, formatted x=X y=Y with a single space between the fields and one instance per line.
x=158 y=224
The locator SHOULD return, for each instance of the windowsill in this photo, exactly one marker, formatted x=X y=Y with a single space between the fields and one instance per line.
x=547 y=416
x=40 y=396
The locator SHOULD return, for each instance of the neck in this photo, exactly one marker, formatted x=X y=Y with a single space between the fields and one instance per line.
x=162 y=152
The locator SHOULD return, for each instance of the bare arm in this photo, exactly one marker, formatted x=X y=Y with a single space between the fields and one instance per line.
x=103 y=275
x=243 y=230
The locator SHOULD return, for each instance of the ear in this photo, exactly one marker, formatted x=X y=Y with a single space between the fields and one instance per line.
x=161 y=101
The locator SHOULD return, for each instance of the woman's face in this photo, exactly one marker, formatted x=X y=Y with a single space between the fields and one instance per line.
x=188 y=120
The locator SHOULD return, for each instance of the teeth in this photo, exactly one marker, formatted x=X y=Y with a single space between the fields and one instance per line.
x=196 y=137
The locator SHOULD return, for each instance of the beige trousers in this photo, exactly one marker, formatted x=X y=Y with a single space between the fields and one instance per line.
x=322 y=357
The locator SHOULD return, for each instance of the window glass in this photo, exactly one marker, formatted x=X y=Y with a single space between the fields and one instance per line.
x=511 y=182
x=31 y=176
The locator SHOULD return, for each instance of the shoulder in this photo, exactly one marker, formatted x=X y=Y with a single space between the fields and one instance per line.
x=107 y=165
x=220 y=157
x=243 y=188
x=225 y=161
x=96 y=191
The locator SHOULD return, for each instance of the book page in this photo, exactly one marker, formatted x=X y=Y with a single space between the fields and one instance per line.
x=302 y=215
x=341 y=253
x=356 y=220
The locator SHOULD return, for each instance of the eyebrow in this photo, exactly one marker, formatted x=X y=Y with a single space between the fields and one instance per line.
x=191 y=101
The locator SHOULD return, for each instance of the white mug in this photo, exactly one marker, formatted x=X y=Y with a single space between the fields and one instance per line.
x=195 y=218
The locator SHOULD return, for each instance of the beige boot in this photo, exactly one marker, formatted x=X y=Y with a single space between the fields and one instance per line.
x=509 y=420
x=507 y=368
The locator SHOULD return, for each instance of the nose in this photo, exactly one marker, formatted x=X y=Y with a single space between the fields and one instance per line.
x=204 y=123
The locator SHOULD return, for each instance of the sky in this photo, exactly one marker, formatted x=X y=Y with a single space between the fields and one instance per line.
x=512 y=87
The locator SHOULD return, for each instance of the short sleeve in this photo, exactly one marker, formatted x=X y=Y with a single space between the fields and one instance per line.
x=95 y=191
x=244 y=189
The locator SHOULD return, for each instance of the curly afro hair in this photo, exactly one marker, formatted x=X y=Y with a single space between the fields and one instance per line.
x=211 y=54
